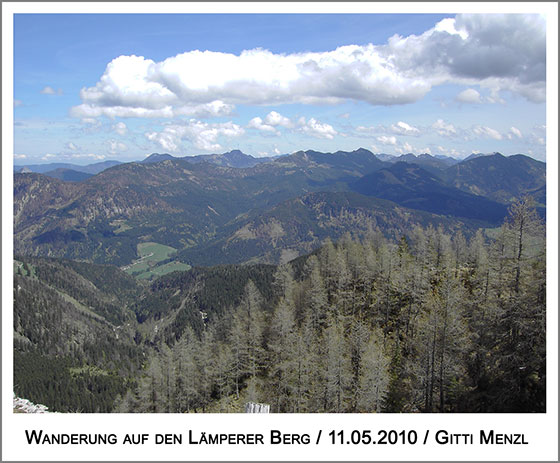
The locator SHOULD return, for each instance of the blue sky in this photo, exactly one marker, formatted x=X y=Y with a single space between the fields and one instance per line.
x=90 y=87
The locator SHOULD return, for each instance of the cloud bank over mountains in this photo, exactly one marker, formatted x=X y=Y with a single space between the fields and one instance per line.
x=421 y=83
x=496 y=52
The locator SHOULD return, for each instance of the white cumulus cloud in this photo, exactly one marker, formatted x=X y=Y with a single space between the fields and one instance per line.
x=402 y=128
x=514 y=132
x=406 y=148
x=259 y=124
x=399 y=128
x=444 y=129
x=120 y=128
x=486 y=132
x=116 y=147
x=129 y=88
x=48 y=90
x=385 y=140
x=270 y=123
x=201 y=134
x=316 y=129
x=470 y=95
x=498 y=52
x=276 y=119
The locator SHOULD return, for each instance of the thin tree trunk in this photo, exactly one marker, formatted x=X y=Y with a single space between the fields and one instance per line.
x=432 y=375
x=519 y=253
x=441 y=362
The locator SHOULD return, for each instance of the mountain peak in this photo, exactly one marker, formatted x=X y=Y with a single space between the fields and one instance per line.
x=362 y=151
x=157 y=157
x=236 y=154
x=483 y=155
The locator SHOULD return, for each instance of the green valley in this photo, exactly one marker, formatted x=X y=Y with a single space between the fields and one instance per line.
x=149 y=264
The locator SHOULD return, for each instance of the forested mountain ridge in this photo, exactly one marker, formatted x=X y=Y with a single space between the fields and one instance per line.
x=433 y=164
x=184 y=205
x=104 y=289
x=234 y=158
x=512 y=175
x=298 y=226
x=357 y=162
x=498 y=177
x=412 y=186
x=68 y=175
x=189 y=202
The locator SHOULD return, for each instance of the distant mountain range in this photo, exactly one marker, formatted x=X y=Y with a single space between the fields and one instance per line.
x=412 y=186
x=359 y=161
x=433 y=164
x=68 y=175
x=234 y=158
x=360 y=158
x=235 y=208
x=498 y=177
x=478 y=155
x=70 y=172
x=46 y=168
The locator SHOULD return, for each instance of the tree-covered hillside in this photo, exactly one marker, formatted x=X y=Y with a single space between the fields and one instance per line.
x=74 y=347
x=431 y=323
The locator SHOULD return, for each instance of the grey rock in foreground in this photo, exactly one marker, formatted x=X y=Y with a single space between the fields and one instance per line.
x=25 y=406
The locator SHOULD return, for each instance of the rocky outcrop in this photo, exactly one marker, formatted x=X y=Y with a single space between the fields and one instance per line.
x=25 y=406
